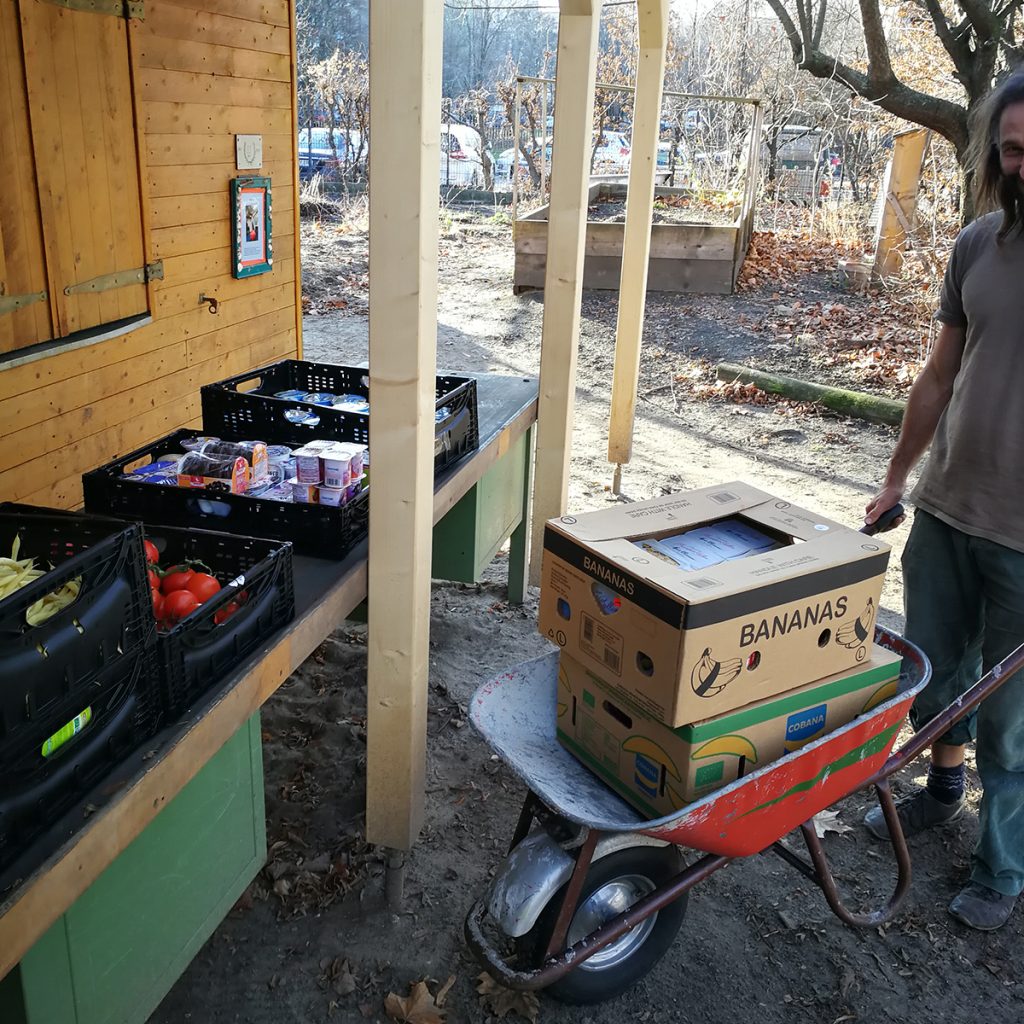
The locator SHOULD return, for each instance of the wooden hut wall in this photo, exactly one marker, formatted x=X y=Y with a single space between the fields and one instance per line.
x=202 y=71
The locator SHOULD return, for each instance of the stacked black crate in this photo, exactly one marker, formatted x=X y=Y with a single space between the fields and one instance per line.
x=78 y=690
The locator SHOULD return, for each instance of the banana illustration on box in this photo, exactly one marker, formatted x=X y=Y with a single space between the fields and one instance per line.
x=728 y=746
x=648 y=758
x=856 y=633
x=710 y=677
x=885 y=692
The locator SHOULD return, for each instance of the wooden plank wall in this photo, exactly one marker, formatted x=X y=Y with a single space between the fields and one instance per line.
x=203 y=70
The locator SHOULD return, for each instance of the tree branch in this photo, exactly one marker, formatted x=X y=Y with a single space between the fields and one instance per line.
x=879 y=66
x=795 y=41
x=982 y=18
x=819 y=26
x=956 y=43
x=943 y=116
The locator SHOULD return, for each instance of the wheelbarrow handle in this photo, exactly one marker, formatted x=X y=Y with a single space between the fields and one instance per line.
x=889 y=519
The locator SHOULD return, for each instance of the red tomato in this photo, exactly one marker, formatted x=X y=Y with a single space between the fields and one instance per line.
x=152 y=555
x=177 y=605
x=176 y=580
x=225 y=613
x=203 y=586
x=158 y=603
x=154 y=578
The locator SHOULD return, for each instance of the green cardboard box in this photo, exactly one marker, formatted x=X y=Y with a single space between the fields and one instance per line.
x=659 y=769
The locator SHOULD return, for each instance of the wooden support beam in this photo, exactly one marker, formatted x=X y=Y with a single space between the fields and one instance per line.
x=636 y=246
x=578 y=27
x=405 y=124
x=902 y=177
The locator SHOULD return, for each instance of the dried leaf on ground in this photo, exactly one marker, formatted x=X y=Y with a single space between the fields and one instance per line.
x=828 y=821
x=418 y=1007
x=502 y=1001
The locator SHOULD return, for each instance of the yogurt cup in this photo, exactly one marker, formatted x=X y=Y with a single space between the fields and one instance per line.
x=337 y=468
x=332 y=496
x=308 y=469
x=303 y=492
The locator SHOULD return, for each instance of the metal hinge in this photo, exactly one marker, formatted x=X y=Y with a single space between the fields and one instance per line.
x=117 y=8
x=119 y=279
x=9 y=303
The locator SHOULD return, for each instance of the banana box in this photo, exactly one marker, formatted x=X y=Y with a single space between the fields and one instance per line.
x=693 y=604
x=658 y=769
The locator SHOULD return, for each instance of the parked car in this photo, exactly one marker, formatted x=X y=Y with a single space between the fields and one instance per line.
x=461 y=160
x=460 y=164
x=610 y=157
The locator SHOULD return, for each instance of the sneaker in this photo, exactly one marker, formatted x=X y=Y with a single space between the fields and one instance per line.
x=917 y=812
x=980 y=907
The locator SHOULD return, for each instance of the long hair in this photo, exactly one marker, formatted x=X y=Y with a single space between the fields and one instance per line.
x=994 y=190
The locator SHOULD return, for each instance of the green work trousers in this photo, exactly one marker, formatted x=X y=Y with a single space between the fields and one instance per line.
x=964 y=601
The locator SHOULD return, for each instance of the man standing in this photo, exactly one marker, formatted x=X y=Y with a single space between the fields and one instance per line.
x=964 y=560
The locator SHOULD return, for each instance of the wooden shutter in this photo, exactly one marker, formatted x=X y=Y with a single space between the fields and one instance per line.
x=83 y=132
x=24 y=302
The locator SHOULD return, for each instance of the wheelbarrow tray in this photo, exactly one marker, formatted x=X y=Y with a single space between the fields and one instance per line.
x=516 y=715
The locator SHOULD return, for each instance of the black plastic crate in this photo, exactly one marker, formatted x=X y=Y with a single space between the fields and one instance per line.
x=255 y=573
x=323 y=531
x=124 y=710
x=45 y=666
x=246 y=406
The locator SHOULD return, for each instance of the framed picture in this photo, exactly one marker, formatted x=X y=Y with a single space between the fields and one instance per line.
x=251 y=246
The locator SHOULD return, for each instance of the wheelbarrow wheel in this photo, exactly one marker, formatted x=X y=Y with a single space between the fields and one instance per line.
x=612 y=885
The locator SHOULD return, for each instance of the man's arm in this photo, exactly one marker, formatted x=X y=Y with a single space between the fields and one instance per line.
x=928 y=398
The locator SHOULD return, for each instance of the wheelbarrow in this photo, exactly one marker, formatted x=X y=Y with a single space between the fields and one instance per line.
x=591 y=894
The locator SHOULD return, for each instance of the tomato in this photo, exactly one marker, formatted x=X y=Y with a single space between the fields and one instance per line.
x=203 y=586
x=176 y=579
x=154 y=578
x=152 y=554
x=225 y=613
x=158 y=603
x=177 y=605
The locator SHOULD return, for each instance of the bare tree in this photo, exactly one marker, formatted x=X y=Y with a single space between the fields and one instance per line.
x=979 y=39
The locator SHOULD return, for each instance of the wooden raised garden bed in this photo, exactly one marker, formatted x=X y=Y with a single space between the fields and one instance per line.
x=685 y=257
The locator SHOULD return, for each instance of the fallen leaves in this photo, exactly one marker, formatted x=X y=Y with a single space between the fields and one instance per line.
x=419 y=1006
x=501 y=1001
x=828 y=821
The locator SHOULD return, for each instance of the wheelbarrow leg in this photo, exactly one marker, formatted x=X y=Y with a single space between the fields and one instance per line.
x=820 y=872
x=584 y=856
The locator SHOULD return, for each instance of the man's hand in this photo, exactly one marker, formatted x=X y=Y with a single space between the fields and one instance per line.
x=884 y=500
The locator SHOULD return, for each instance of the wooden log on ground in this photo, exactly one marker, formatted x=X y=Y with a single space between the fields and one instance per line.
x=848 y=403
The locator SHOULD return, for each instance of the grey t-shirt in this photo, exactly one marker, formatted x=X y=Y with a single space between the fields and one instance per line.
x=974 y=477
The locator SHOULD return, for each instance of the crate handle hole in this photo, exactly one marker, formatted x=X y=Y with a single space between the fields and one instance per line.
x=252 y=384
x=823 y=639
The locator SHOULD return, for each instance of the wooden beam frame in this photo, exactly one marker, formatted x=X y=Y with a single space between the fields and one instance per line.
x=405 y=124
x=576 y=71
x=636 y=247
x=902 y=179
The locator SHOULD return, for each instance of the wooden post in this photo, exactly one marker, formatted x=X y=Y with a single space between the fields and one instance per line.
x=405 y=120
x=578 y=25
x=636 y=246
x=902 y=177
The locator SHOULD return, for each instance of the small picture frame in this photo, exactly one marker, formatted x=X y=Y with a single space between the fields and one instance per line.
x=252 y=249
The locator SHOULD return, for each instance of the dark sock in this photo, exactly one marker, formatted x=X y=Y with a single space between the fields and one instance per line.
x=946 y=784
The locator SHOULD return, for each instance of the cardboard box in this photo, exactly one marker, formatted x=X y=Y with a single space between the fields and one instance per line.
x=686 y=644
x=658 y=769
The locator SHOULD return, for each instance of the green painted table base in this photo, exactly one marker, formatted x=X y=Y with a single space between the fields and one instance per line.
x=118 y=950
x=494 y=510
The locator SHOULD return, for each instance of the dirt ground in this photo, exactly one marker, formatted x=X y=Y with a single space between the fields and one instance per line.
x=309 y=940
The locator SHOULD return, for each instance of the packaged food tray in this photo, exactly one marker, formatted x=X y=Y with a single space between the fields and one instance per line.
x=42 y=667
x=246 y=406
x=324 y=531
